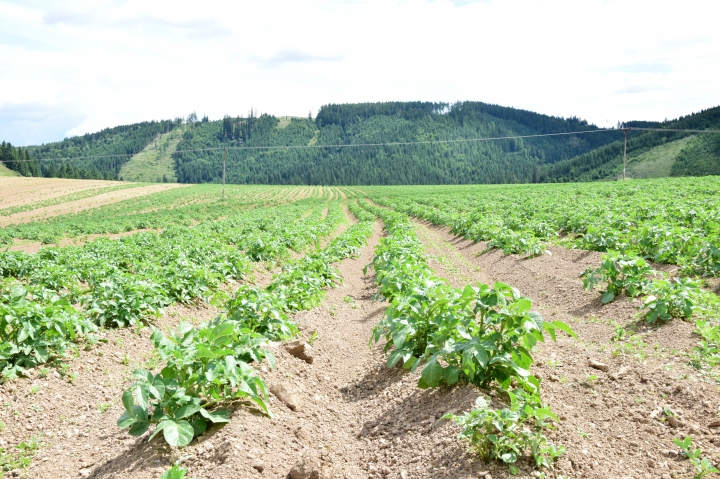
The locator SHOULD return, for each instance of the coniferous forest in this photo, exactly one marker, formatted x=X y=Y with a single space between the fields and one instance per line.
x=333 y=160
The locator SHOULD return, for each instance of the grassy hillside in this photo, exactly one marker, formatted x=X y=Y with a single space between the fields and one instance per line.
x=155 y=162
x=700 y=156
x=654 y=163
x=5 y=171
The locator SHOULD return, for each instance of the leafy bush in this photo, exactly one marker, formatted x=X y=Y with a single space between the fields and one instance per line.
x=36 y=328
x=261 y=312
x=676 y=298
x=509 y=434
x=123 y=300
x=205 y=367
x=622 y=273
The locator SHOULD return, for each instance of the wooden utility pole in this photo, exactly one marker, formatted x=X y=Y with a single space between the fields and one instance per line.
x=225 y=158
x=625 y=132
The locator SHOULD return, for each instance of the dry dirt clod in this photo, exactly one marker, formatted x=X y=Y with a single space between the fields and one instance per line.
x=301 y=350
x=285 y=394
x=302 y=435
x=258 y=466
x=310 y=467
x=714 y=423
x=598 y=365
x=674 y=422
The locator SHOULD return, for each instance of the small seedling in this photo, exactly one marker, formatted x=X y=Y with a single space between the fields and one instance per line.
x=311 y=340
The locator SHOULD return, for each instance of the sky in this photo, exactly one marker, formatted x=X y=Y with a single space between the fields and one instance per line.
x=77 y=66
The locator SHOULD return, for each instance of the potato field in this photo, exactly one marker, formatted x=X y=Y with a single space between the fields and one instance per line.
x=534 y=331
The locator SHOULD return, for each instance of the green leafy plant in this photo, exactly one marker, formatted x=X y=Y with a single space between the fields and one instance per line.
x=671 y=299
x=37 y=328
x=508 y=434
x=175 y=472
x=205 y=367
x=702 y=465
x=261 y=312
x=20 y=457
x=124 y=300
x=621 y=273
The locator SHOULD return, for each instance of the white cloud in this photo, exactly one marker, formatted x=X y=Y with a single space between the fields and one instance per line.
x=105 y=62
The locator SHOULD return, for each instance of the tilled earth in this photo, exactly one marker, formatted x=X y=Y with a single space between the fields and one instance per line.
x=351 y=417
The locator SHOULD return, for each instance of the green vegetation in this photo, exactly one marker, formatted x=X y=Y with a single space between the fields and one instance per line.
x=702 y=465
x=155 y=162
x=159 y=150
x=479 y=335
x=655 y=163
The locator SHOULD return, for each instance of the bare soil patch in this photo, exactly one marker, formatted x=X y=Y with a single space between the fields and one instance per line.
x=16 y=191
x=85 y=204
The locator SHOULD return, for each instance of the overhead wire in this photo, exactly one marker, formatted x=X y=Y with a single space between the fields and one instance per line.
x=359 y=145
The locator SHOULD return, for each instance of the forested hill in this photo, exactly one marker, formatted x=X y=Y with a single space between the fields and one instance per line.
x=700 y=155
x=333 y=160
x=88 y=156
x=370 y=123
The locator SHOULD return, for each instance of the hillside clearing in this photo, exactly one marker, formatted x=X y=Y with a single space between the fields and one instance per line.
x=155 y=161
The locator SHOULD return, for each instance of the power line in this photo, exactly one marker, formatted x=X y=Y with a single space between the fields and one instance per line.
x=358 y=145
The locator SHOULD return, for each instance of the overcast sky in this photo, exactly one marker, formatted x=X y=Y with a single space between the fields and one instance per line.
x=72 y=67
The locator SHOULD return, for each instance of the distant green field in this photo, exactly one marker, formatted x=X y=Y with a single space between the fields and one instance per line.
x=155 y=161
x=655 y=163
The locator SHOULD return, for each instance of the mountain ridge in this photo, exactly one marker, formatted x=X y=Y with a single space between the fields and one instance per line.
x=560 y=158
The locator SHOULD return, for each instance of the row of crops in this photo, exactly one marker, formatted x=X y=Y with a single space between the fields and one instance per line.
x=480 y=335
x=636 y=224
x=61 y=296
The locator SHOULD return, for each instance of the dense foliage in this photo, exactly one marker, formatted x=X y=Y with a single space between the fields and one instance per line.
x=562 y=158
x=125 y=140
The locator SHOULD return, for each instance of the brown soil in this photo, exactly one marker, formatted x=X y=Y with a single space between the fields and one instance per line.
x=15 y=191
x=85 y=204
x=607 y=424
x=366 y=421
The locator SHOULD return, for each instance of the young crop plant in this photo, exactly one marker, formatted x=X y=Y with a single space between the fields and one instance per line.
x=206 y=367
x=702 y=465
x=37 y=327
x=677 y=298
x=515 y=242
x=477 y=334
x=261 y=312
x=123 y=300
x=622 y=273
x=509 y=434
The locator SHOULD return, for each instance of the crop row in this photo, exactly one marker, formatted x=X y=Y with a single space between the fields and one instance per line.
x=184 y=206
x=478 y=334
x=634 y=218
x=119 y=282
x=210 y=366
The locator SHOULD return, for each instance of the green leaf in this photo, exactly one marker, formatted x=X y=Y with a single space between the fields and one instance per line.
x=432 y=373
x=174 y=472
x=451 y=374
x=199 y=426
x=607 y=297
x=128 y=401
x=139 y=428
x=217 y=416
x=126 y=420
x=564 y=328
x=187 y=410
x=177 y=433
